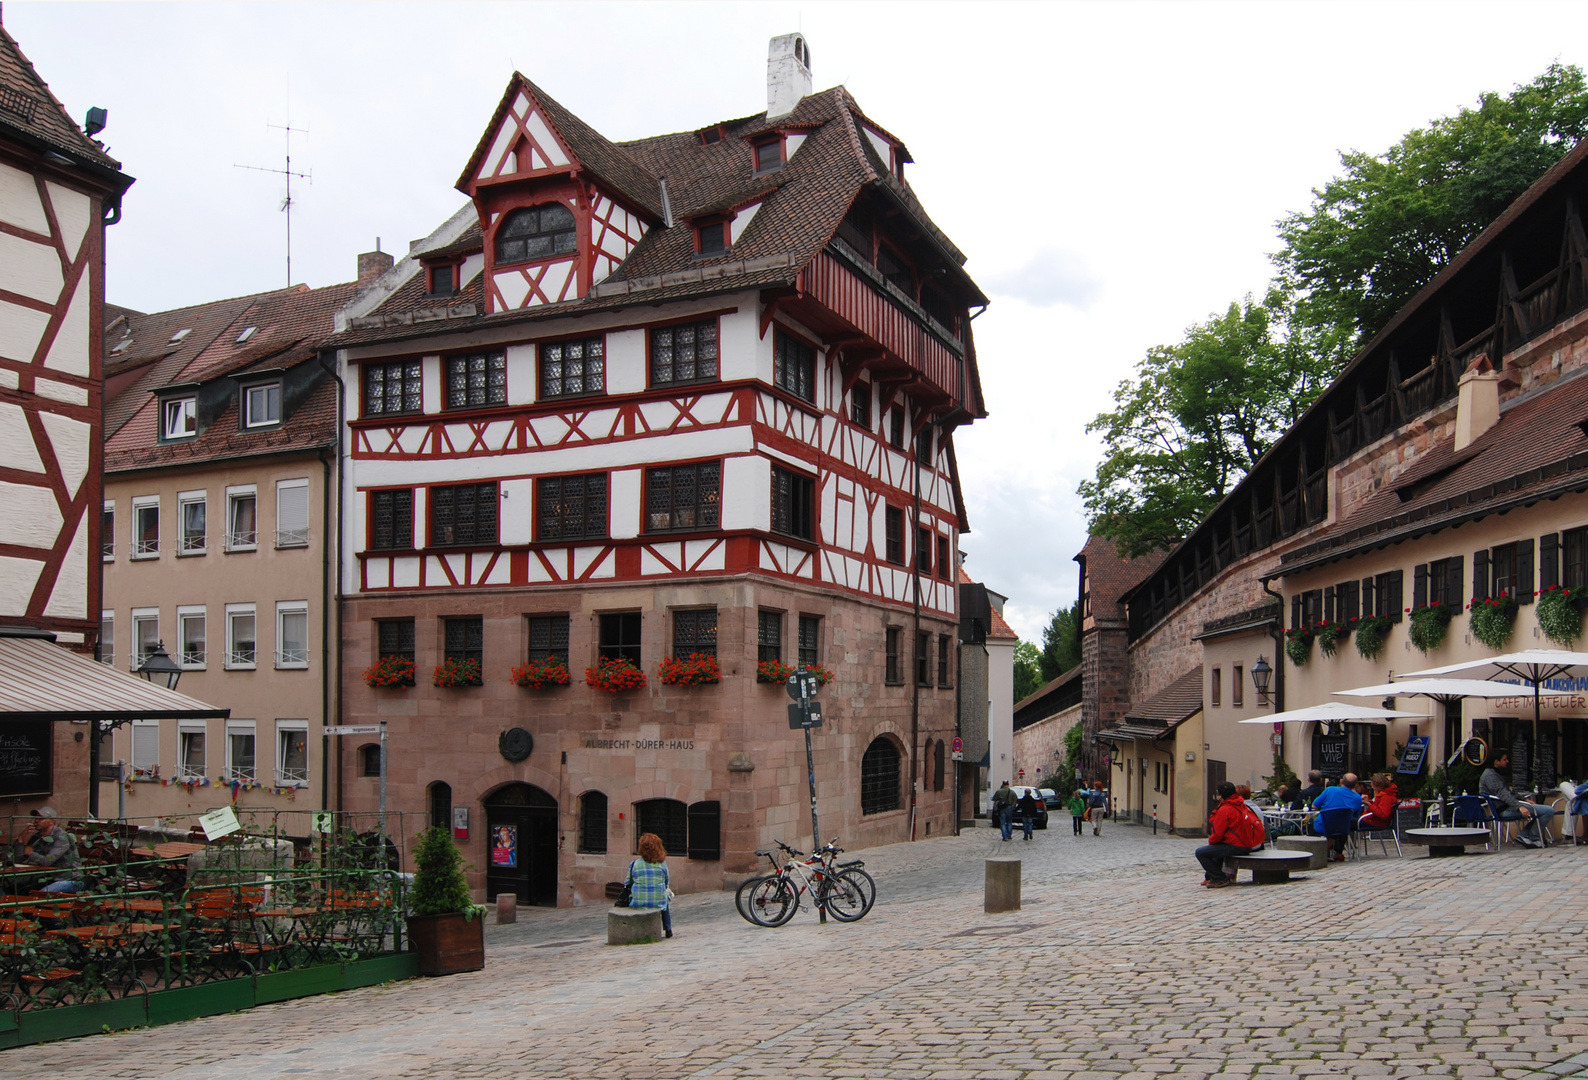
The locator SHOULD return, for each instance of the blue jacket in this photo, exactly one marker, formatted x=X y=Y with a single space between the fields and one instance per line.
x=1332 y=798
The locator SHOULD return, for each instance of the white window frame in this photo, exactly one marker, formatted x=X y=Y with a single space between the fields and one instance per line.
x=179 y=417
x=148 y=770
x=184 y=615
x=297 y=660
x=250 y=729
x=233 y=611
x=233 y=541
x=184 y=499
x=191 y=727
x=135 y=658
x=290 y=538
x=248 y=404
x=107 y=637
x=107 y=544
x=283 y=729
x=141 y=503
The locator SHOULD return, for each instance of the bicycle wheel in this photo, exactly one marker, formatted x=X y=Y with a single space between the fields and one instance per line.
x=772 y=901
x=742 y=896
x=849 y=895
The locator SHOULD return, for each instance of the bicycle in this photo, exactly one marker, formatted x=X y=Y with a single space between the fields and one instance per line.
x=844 y=890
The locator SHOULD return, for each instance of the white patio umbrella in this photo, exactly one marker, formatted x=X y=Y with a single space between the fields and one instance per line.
x=1331 y=712
x=1531 y=666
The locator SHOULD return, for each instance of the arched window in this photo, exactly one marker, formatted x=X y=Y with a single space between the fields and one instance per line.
x=668 y=819
x=879 y=777
x=369 y=759
x=937 y=766
x=536 y=233
x=440 y=805
x=593 y=823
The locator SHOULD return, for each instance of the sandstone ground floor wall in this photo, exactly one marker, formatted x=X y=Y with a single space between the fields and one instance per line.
x=1039 y=750
x=727 y=744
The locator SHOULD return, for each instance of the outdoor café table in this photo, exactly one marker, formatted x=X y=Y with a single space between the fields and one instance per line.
x=145 y=904
x=1446 y=841
x=175 y=849
x=106 y=932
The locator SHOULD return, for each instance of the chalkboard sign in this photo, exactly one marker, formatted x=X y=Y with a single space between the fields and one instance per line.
x=1409 y=814
x=1519 y=756
x=1412 y=759
x=1544 y=755
x=1331 y=755
x=26 y=752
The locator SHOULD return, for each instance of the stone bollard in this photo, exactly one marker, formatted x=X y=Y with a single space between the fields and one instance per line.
x=633 y=926
x=506 y=908
x=1003 y=885
x=1316 y=846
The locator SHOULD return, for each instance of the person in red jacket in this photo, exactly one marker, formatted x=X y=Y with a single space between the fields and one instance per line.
x=1232 y=830
x=1380 y=810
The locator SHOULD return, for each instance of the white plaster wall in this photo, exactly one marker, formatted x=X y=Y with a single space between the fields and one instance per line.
x=473 y=266
x=16 y=440
x=69 y=440
x=521 y=384
x=1000 y=713
x=742 y=221
x=430 y=383
x=740 y=348
x=517 y=515
x=69 y=599
x=747 y=493
x=69 y=350
x=21 y=330
x=72 y=211
x=623 y=503
x=19 y=201
x=625 y=362
x=29 y=269
x=17 y=578
x=30 y=517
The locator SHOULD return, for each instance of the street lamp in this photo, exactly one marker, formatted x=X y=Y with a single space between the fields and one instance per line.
x=1261 y=674
x=158 y=664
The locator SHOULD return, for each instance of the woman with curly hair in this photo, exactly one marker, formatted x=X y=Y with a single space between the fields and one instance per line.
x=648 y=880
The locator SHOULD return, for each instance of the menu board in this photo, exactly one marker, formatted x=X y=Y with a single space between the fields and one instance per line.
x=1412 y=759
x=1544 y=755
x=26 y=751
x=1331 y=756
x=1519 y=755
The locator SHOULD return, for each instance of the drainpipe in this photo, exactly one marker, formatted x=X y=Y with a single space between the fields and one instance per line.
x=336 y=553
x=915 y=676
x=325 y=626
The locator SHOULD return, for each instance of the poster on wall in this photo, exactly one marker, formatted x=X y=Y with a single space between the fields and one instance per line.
x=504 y=845
x=1330 y=755
x=1412 y=759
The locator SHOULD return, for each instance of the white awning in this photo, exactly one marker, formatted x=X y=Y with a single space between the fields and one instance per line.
x=1446 y=689
x=40 y=680
x=1331 y=712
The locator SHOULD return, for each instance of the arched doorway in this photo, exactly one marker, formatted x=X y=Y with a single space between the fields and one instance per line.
x=521 y=844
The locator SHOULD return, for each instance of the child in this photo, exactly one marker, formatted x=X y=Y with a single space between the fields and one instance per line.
x=1077 y=806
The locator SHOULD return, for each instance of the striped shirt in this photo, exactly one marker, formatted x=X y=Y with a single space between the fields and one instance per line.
x=647 y=884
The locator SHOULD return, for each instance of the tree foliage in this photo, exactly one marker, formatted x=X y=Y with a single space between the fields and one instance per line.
x=1028 y=670
x=1061 y=642
x=1195 y=416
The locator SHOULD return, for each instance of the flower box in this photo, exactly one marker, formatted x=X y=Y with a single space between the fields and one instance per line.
x=390 y=672
x=614 y=676
x=1559 y=613
x=541 y=674
x=697 y=669
x=455 y=674
x=1298 y=645
x=773 y=671
x=1428 y=626
x=1491 y=620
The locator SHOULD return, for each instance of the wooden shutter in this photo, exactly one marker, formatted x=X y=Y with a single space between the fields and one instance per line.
x=705 y=830
x=1295 y=612
x=1548 y=560
x=1350 y=600
x=1453 y=581
x=1367 y=598
x=1524 y=571
x=1419 y=585
x=1392 y=603
x=1480 y=575
x=1328 y=603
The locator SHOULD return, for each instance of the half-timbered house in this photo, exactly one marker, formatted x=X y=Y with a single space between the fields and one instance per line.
x=692 y=394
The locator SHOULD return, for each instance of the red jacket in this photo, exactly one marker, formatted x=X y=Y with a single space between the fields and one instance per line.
x=1380 y=811
x=1226 y=826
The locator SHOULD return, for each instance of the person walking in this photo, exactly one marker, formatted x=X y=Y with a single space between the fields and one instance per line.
x=648 y=880
x=1003 y=803
x=1028 y=810
x=1077 y=806
x=1097 y=800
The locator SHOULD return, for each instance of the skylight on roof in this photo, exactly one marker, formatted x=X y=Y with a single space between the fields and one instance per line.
x=180 y=334
x=121 y=346
x=246 y=334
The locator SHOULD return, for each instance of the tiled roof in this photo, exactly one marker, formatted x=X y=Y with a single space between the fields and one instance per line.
x=137 y=446
x=1110 y=577
x=1538 y=450
x=1001 y=629
x=1064 y=679
x=27 y=106
x=1174 y=704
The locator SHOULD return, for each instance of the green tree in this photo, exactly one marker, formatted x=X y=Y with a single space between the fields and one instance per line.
x=440 y=886
x=1028 y=670
x=1385 y=227
x=1061 y=642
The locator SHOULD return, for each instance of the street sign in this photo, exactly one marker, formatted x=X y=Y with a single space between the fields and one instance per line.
x=959 y=746
x=796 y=716
x=957 y=755
x=1022 y=774
x=321 y=821
x=353 y=729
x=801 y=685
x=219 y=823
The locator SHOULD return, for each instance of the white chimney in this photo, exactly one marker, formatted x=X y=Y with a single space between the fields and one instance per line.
x=788 y=74
x=1477 y=402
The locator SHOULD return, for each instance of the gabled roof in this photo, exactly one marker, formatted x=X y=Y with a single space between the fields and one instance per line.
x=29 y=110
x=1174 y=704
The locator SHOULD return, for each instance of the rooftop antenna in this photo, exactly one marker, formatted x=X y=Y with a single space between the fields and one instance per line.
x=287 y=131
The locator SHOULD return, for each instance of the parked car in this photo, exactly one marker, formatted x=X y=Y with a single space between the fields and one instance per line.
x=1041 y=820
x=1050 y=798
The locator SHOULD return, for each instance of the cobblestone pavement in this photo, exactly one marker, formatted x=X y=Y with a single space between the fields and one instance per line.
x=1119 y=966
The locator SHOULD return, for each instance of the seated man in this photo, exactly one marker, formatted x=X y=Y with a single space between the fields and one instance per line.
x=1491 y=783
x=1232 y=830
x=44 y=843
x=1313 y=789
x=1333 y=798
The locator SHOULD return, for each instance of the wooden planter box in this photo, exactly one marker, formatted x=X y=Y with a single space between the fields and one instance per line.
x=447 y=944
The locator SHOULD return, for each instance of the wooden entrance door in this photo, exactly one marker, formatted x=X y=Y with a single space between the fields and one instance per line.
x=521 y=844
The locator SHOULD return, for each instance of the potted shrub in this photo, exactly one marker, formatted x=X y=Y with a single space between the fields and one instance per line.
x=446 y=928
x=1370 y=635
x=1491 y=620
x=541 y=674
x=614 y=675
x=697 y=669
x=1559 y=617
x=390 y=671
x=1298 y=645
x=1428 y=626
x=454 y=673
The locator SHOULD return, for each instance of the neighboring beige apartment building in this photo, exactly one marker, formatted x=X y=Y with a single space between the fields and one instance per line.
x=220 y=452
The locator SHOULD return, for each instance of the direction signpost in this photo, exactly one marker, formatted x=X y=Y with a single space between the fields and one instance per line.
x=369 y=729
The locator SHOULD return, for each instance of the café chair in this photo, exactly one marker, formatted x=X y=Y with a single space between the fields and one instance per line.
x=1338 y=822
x=1477 y=811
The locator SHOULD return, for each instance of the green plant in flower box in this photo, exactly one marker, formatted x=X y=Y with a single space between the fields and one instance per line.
x=1329 y=636
x=1558 y=615
x=823 y=675
x=1492 y=620
x=614 y=675
x=541 y=674
x=1370 y=635
x=1298 y=645
x=390 y=671
x=697 y=669
x=1428 y=626
x=773 y=671
x=453 y=672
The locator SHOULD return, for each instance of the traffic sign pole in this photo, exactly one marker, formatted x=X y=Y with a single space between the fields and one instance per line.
x=383 y=792
x=801 y=687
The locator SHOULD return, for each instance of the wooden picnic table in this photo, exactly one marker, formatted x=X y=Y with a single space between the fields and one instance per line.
x=146 y=905
x=106 y=932
x=172 y=849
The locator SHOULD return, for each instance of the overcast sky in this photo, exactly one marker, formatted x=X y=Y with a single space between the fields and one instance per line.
x=1114 y=172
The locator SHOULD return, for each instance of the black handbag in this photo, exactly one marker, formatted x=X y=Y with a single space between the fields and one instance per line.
x=625 y=896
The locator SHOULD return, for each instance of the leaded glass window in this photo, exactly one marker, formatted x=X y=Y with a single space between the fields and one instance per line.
x=695 y=632
x=465 y=638
x=536 y=233
x=794 y=366
x=768 y=636
x=393 y=388
x=682 y=497
x=548 y=637
x=463 y=516
x=620 y=636
x=685 y=353
x=573 y=367
x=668 y=819
x=879 y=777
x=571 y=507
x=792 y=496
x=810 y=638
x=476 y=381
x=392 y=527
x=396 y=638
